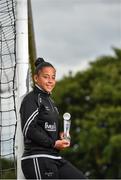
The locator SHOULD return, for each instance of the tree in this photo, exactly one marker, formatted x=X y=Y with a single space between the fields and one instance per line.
x=93 y=98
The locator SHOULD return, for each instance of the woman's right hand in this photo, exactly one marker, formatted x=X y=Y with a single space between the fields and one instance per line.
x=62 y=144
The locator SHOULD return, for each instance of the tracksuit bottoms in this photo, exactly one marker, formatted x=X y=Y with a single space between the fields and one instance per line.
x=48 y=168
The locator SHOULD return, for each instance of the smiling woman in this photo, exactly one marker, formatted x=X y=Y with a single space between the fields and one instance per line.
x=43 y=138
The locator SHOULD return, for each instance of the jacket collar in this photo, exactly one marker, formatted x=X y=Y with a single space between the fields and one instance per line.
x=39 y=90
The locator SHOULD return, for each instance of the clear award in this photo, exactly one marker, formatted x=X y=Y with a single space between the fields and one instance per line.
x=67 y=124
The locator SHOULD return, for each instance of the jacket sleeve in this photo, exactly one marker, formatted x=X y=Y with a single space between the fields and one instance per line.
x=30 y=128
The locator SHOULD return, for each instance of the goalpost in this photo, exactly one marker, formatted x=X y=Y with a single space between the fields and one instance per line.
x=25 y=57
x=22 y=66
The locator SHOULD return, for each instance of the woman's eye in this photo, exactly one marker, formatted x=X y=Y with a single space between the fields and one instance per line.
x=45 y=77
x=53 y=77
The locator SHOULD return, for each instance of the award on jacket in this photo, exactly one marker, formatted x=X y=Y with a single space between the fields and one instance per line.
x=67 y=124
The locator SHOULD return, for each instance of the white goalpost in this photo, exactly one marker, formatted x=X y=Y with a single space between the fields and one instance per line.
x=22 y=60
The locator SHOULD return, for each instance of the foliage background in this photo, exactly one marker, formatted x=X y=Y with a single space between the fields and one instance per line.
x=93 y=98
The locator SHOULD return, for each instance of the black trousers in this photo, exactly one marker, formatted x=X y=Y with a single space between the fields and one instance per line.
x=47 y=168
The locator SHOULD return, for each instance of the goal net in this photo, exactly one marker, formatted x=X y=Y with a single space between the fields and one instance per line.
x=8 y=86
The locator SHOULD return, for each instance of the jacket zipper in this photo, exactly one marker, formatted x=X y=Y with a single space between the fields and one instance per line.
x=51 y=104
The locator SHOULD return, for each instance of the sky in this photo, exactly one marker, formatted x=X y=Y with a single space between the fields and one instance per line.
x=72 y=33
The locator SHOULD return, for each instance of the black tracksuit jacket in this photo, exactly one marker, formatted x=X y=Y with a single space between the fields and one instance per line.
x=40 y=123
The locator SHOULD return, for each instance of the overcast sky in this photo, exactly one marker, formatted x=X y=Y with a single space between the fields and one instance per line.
x=71 y=33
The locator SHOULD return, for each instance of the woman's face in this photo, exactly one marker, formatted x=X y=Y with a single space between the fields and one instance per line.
x=45 y=79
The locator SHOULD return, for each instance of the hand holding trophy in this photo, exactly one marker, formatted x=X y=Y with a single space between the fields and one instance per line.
x=67 y=124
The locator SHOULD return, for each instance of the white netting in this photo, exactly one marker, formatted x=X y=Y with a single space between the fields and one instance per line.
x=7 y=87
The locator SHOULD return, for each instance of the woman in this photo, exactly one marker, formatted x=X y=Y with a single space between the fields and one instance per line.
x=40 y=126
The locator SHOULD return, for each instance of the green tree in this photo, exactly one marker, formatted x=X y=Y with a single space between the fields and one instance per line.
x=93 y=98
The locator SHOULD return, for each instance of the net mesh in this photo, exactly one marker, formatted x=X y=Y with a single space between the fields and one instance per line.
x=7 y=88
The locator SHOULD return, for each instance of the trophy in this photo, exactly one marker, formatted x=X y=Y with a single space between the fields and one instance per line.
x=67 y=124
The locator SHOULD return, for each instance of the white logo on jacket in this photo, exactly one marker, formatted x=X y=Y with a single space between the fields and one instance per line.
x=50 y=127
